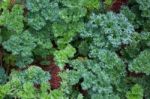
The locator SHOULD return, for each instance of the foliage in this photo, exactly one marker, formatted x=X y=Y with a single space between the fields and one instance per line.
x=90 y=4
x=33 y=74
x=3 y=76
x=111 y=64
x=61 y=57
x=66 y=87
x=139 y=41
x=98 y=77
x=44 y=46
x=36 y=21
x=106 y=96
x=135 y=93
x=108 y=30
x=65 y=32
x=140 y=9
x=141 y=63
x=99 y=85
x=37 y=17
x=108 y=3
x=21 y=83
x=21 y=46
x=128 y=13
x=144 y=83
x=36 y=5
x=4 y=4
x=74 y=49
x=13 y=20
x=144 y=7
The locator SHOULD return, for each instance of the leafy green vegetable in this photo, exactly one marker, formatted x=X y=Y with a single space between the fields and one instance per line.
x=141 y=63
x=144 y=7
x=135 y=93
x=36 y=5
x=33 y=74
x=98 y=53
x=3 y=76
x=4 y=4
x=21 y=84
x=21 y=46
x=108 y=30
x=62 y=56
x=13 y=20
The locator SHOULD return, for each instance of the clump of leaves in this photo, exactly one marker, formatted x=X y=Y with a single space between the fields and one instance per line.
x=36 y=5
x=144 y=6
x=135 y=93
x=61 y=57
x=13 y=19
x=108 y=30
x=98 y=76
x=4 y=4
x=105 y=96
x=33 y=74
x=141 y=63
x=41 y=12
x=111 y=64
x=21 y=45
x=21 y=84
x=3 y=76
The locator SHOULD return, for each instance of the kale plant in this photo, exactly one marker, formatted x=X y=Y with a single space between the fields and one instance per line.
x=74 y=49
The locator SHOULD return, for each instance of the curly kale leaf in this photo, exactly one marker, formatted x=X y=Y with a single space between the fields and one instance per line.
x=4 y=4
x=140 y=41
x=36 y=5
x=145 y=39
x=72 y=14
x=36 y=21
x=83 y=48
x=13 y=20
x=44 y=39
x=144 y=6
x=33 y=74
x=21 y=46
x=64 y=33
x=41 y=12
x=143 y=82
x=66 y=21
x=21 y=84
x=90 y=4
x=51 y=12
x=141 y=9
x=112 y=64
x=42 y=93
x=62 y=56
x=108 y=30
x=141 y=63
x=108 y=3
x=94 y=79
x=3 y=76
x=105 y=96
x=128 y=13
x=99 y=75
x=135 y=93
